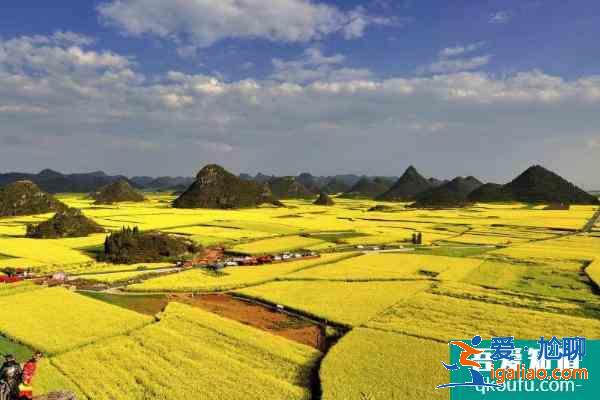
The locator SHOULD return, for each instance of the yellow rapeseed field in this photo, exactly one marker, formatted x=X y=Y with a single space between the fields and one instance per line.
x=389 y=266
x=40 y=252
x=495 y=269
x=276 y=245
x=91 y=268
x=593 y=271
x=15 y=288
x=55 y=320
x=114 y=277
x=191 y=354
x=49 y=378
x=444 y=318
x=371 y=364
x=230 y=278
x=349 y=303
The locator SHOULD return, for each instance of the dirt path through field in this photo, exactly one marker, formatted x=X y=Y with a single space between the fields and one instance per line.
x=261 y=317
x=590 y=224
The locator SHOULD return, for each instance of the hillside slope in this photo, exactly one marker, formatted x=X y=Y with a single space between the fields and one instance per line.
x=26 y=198
x=410 y=184
x=217 y=188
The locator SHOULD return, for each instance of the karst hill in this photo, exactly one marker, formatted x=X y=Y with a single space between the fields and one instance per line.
x=535 y=185
x=26 y=198
x=410 y=184
x=66 y=223
x=216 y=187
x=117 y=192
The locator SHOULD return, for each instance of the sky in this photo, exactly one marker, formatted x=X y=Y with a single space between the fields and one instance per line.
x=153 y=87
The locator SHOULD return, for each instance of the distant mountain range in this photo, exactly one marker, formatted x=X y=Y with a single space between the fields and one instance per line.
x=55 y=182
x=535 y=185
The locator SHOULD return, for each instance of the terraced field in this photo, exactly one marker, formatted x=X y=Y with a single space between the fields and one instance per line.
x=501 y=269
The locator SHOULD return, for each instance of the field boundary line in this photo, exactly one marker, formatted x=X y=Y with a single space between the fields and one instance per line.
x=401 y=333
x=589 y=226
x=294 y=312
x=68 y=378
x=358 y=280
x=154 y=321
x=404 y=300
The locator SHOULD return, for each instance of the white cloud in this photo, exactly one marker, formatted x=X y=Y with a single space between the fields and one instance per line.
x=174 y=100
x=57 y=54
x=460 y=50
x=313 y=66
x=500 y=17
x=445 y=66
x=70 y=38
x=449 y=62
x=204 y=22
x=83 y=101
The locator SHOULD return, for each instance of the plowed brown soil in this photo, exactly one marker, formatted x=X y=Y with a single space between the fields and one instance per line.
x=258 y=316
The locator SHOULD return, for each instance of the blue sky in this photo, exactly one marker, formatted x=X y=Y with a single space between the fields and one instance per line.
x=162 y=87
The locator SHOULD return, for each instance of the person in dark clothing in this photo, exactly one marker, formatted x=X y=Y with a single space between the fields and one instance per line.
x=10 y=373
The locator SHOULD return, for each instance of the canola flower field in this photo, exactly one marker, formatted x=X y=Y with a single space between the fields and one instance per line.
x=233 y=278
x=29 y=317
x=499 y=269
x=362 y=362
x=192 y=354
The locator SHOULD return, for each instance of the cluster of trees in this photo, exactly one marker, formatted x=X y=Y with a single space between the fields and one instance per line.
x=131 y=246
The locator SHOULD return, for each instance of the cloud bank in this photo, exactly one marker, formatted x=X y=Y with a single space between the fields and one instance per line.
x=73 y=108
x=202 y=23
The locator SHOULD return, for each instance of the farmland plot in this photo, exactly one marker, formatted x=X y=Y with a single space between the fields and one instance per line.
x=35 y=252
x=444 y=318
x=390 y=266
x=581 y=247
x=230 y=278
x=192 y=354
x=55 y=320
x=593 y=272
x=276 y=245
x=508 y=297
x=49 y=379
x=115 y=277
x=16 y=288
x=91 y=268
x=350 y=303
x=563 y=279
x=370 y=364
